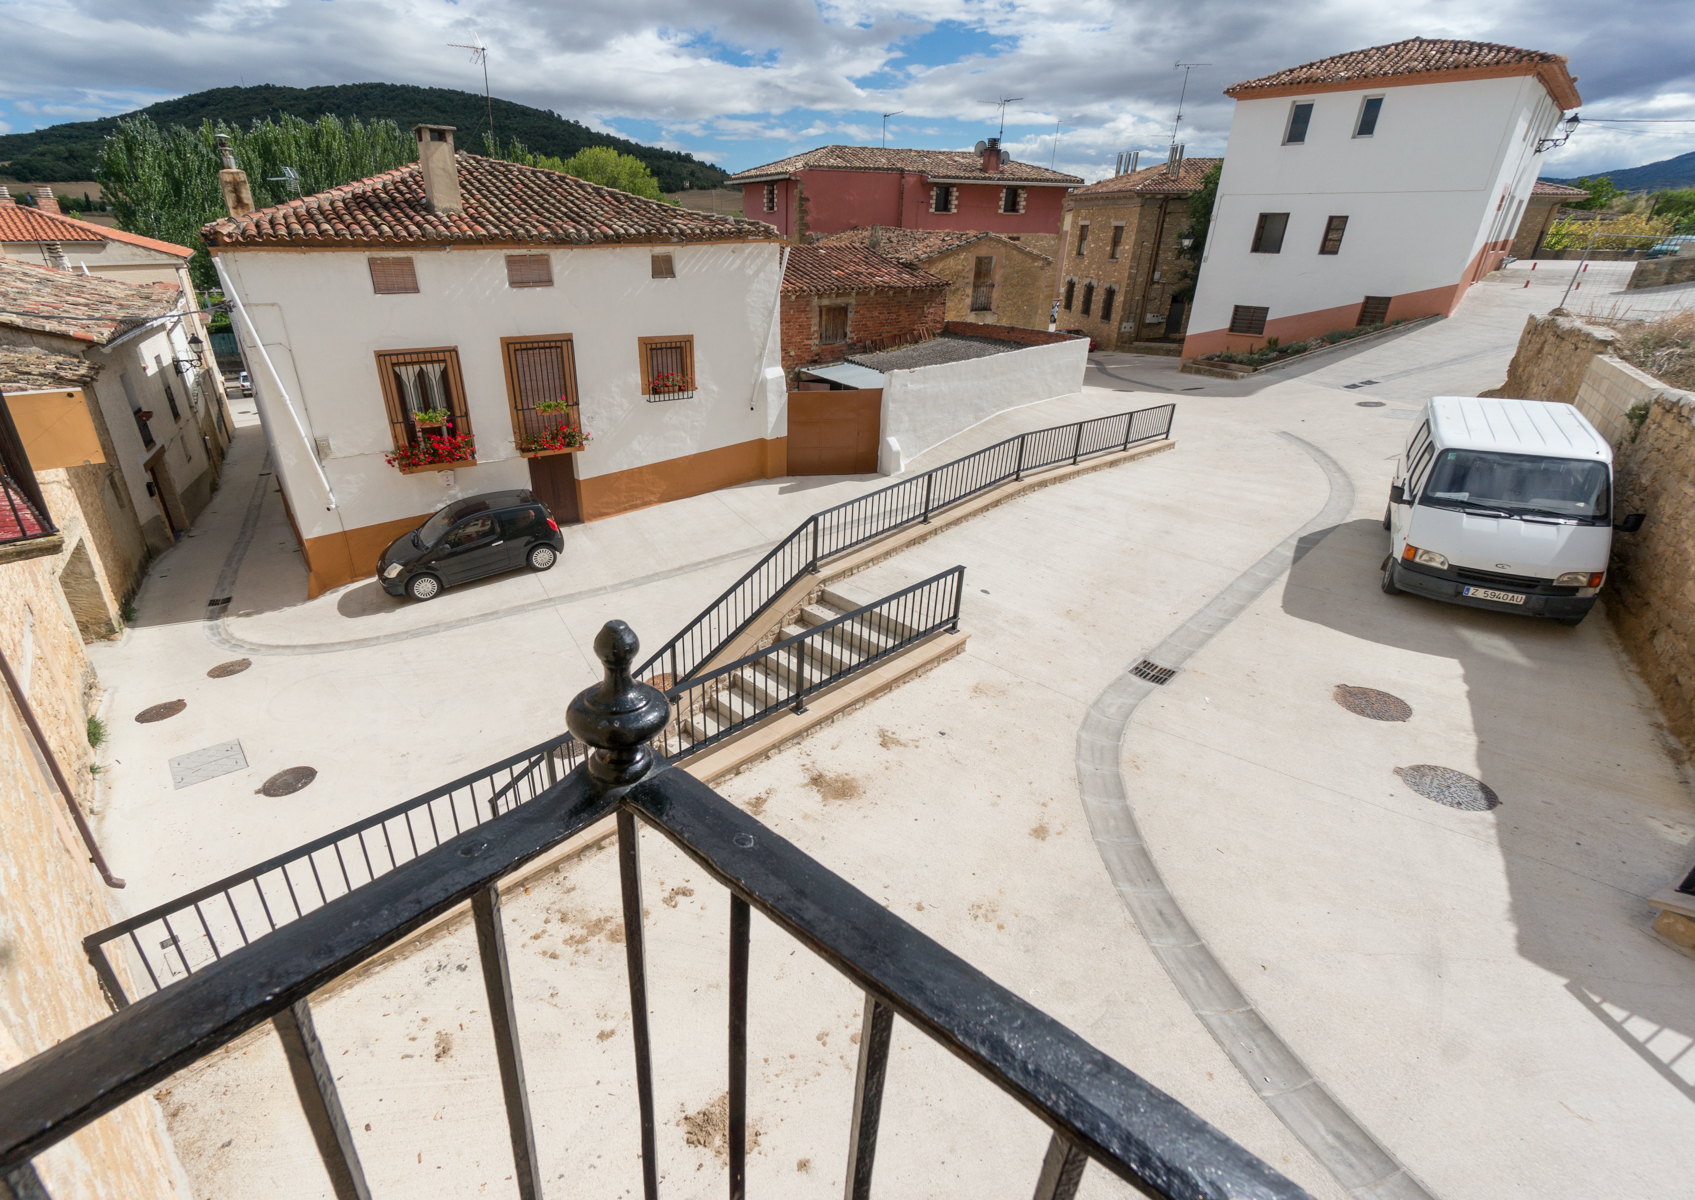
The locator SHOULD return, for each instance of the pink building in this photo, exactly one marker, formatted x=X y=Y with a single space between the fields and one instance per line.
x=834 y=188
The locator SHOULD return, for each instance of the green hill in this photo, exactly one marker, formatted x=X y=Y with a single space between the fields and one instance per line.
x=70 y=151
x=1676 y=172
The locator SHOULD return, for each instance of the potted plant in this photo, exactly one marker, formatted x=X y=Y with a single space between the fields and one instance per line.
x=555 y=407
x=667 y=382
x=146 y=414
x=561 y=439
x=430 y=418
x=434 y=452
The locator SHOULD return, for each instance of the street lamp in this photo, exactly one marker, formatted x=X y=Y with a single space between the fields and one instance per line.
x=1187 y=241
x=1567 y=127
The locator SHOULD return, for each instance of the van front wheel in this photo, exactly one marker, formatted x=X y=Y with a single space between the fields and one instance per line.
x=1389 y=586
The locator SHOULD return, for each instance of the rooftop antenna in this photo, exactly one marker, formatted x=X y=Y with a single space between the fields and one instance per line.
x=479 y=55
x=289 y=177
x=1003 y=102
x=886 y=117
x=1187 y=67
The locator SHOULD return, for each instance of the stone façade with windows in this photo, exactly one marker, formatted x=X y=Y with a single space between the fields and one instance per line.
x=838 y=299
x=992 y=279
x=1120 y=269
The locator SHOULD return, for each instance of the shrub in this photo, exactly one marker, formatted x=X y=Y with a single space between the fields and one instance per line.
x=96 y=732
x=1664 y=347
x=432 y=450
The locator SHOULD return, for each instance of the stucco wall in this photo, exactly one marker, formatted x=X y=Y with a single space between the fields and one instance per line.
x=928 y=405
x=835 y=200
x=1554 y=353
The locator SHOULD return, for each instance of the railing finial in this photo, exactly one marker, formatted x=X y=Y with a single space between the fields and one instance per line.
x=620 y=716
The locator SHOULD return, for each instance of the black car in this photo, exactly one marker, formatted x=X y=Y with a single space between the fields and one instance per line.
x=470 y=538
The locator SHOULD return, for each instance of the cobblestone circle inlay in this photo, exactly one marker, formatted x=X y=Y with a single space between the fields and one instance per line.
x=1369 y=702
x=286 y=783
x=159 y=712
x=234 y=667
x=1447 y=786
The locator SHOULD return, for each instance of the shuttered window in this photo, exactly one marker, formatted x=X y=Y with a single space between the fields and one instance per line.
x=529 y=270
x=392 y=276
x=832 y=324
x=664 y=266
x=983 y=284
x=1334 y=228
x=541 y=374
x=1375 y=310
x=425 y=382
x=1248 y=318
x=667 y=367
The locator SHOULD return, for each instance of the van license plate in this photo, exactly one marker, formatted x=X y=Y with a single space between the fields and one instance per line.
x=1491 y=594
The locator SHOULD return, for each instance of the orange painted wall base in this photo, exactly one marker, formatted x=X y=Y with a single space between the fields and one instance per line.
x=336 y=559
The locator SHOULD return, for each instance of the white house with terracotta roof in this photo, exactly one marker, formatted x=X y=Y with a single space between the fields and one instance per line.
x=1370 y=186
x=45 y=236
x=411 y=337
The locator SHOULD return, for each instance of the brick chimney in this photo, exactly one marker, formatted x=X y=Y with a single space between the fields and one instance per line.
x=45 y=200
x=441 y=170
x=992 y=155
x=874 y=242
x=232 y=182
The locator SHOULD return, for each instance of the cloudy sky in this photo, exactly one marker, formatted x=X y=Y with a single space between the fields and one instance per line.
x=743 y=82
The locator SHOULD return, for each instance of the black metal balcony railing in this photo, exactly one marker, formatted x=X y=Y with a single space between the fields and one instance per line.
x=20 y=519
x=1097 y=1109
x=173 y=940
x=847 y=526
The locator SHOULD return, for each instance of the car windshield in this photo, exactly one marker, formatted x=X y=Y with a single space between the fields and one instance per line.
x=1520 y=484
x=429 y=533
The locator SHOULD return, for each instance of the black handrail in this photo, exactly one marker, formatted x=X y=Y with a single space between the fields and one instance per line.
x=851 y=524
x=1097 y=1108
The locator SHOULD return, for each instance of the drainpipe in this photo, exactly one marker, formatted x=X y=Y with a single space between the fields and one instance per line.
x=45 y=748
x=1148 y=283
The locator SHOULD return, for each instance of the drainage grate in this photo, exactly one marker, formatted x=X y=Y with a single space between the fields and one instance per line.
x=219 y=602
x=1368 y=404
x=1362 y=383
x=1369 y=702
x=286 y=783
x=233 y=667
x=200 y=765
x=159 y=712
x=1447 y=786
x=1153 y=672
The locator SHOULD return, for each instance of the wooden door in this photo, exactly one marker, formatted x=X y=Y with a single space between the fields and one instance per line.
x=553 y=478
x=835 y=433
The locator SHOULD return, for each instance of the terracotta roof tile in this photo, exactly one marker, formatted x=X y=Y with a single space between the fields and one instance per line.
x=1154 y=180
x=916 y=246
x=1544 y=188
x=504 y=203
x=30 y=368
x=1415 y=56
x=820 y=269
x=20 y=224
x=85 y=307
x=937 y=164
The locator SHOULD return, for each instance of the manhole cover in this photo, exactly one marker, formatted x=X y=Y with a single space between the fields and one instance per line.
x=1447 y=786
x=286 y=783
x=160 y=711
x=1369 y=702
x=1368 y=404
x=233 y=667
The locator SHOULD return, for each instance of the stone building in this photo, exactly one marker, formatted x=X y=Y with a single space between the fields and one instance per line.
x=1540 y=213
x=992 y=280
x=842 y=299
x=1121 y=279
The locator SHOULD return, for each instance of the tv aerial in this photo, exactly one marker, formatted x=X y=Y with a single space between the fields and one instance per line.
x=479 y=56
x=290 y=178
x=1003 y=102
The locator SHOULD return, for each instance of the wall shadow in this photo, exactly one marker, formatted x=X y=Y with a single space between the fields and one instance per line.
x=1571 y=824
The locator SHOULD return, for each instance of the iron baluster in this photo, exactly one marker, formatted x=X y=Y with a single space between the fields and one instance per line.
x=503 y=1016
x=813 y=566
x=1077 y=446
x=635 y=957
x=108 y=978
x=1018 y=471
x=320 y=1101
x=929 y=481
x=1062 y=1170
x=875 y=1032
x=740 y=918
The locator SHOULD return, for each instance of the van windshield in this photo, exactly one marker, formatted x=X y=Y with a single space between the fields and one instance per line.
x=1520 y=485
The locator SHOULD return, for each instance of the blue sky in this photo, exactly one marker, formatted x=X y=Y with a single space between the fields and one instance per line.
x=743 y=82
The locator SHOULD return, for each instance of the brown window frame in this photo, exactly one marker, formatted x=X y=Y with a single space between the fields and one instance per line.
x=1264 y=244
x=1376 y=307
x=390 y=262
x=824 y=323
x=644 y=353
x=402 y=429
x=666 y=271
x=1334 y=228
x=1249 y=319
x=529 y=260
x=526 y=421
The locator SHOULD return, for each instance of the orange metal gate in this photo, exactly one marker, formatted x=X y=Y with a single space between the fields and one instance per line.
x=835 y=433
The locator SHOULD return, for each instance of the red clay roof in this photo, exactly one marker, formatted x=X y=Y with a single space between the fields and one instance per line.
x=85 y=307
x=1154 y=180
x=504 y=203
x=20 y=224
x=1544 y=188
x=915 y=246
x=820 y=269
x=1417 y=56
x=937 y=164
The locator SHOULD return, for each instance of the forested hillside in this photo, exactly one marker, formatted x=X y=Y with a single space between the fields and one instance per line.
x=1676 y=172
x=70 y=151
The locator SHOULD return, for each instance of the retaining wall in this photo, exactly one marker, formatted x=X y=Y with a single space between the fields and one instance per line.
x=1657 y=272
x=1553 y=353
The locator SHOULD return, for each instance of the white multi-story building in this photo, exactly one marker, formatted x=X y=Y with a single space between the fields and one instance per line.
x=445 y=329
x=1372 y=186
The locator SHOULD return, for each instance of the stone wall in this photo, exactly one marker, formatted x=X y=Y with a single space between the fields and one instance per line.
x=1657 y=272
x=1023 y=284
x=1553 y=354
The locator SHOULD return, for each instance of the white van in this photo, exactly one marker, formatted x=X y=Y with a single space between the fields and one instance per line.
x=1505 y=505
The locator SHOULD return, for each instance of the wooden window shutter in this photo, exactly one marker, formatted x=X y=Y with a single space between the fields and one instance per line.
x=1375 y=310
x=664 y=266
x=1248 y=318
x=832 y=324
x=1334 y=228
x=392 y=276
x=529 y=270
x=983 y=284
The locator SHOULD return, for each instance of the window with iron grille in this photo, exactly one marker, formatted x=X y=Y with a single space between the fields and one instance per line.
x=771 y=197
x=1268 y=233
x=832 y=324
x=1082 y=238
x=1248 y=318
x=1088 y=297
x=529 y=270
x=943 y=197
x=664 y=266
x=667 y=366
x=541 y=386
x=1375 y=310
x=1300 y=116
x=1070 y=292
x=424 y=394
x=1334 y=228
x=1107 y=298
x=983 y=284
x=393 y=276
x=1117 y=241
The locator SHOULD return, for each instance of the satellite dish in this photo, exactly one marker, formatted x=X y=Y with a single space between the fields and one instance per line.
x=982 y=146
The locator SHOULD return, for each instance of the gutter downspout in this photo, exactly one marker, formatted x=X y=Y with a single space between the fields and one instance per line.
x=1153 y=266
x=45 y=749
x=282 y=390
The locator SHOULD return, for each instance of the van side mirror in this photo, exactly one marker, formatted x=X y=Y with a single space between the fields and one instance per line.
x=1631 y=523
x=1397 y=494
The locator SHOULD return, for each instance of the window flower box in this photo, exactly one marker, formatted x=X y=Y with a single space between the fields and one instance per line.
x=561 y=439
x=434 y=452
x=671 y=385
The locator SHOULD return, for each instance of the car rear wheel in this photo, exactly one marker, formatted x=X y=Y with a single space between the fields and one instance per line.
x=424 y=587
x=542 y=558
